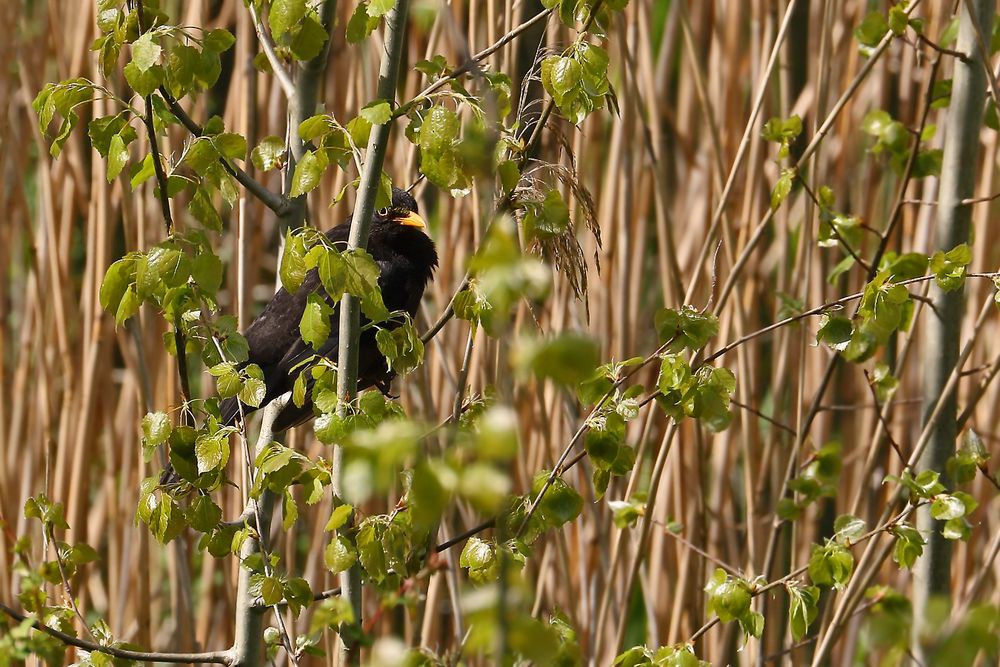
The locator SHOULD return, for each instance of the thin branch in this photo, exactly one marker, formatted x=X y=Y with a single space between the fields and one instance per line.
x=274 y=201
x=216 y=657
x=885 y=425
x=154 y=151
x=473 y=62
x=284 y=80
x=350 y=312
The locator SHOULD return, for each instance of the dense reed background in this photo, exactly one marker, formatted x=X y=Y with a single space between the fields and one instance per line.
x=686 y=75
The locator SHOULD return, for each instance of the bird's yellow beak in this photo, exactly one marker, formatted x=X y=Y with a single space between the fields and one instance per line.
x=413 y=220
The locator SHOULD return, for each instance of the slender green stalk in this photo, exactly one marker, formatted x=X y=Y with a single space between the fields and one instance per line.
x=248 y=647
x=350 y=313
x=943 y=320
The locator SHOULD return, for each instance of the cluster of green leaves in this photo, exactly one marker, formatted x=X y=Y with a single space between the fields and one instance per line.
x=886 y=307
x=962 y=640
x=782 y=131
x=803 y=608
x=729 y=598
x=888 y=623
x=893 y=138
x=831 y=563
x=837 y=229
x=703 y=393
x=528 y=640
x=818 y=480
x=365 y=18
x=877 y=24
x=21 y=642
x=577 y=80
x=501 y=275
x=572 y=12
x=971 y=455
x=473 y=139
x=950 y=267
x=296 y=28
x=338 y=144
x=560 y=504
x=615 y=407
x=952 y=508
x=677 y=655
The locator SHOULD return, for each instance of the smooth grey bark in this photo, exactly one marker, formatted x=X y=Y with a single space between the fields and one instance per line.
x=302 y=105
x=943 y=319
x=248 y=647
x=350 y=313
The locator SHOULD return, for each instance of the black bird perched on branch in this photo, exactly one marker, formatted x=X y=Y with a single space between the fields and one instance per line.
x=406 y=259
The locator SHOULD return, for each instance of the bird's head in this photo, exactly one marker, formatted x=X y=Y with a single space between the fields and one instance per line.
x=402 y=211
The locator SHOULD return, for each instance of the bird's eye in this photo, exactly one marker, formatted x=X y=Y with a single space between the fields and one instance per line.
x=384 y=212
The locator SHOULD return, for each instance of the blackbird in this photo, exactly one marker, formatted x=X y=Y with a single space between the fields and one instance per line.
x=406 y=259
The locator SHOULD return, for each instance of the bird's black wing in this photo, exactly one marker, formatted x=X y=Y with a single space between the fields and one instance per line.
x=274 y=341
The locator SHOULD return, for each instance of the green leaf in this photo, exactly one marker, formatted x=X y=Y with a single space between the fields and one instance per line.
x=284 y=15
x=211 y=452
x=626 y=513
x=602 y=446
x=957 y=529
x=314 y=326
x=480 y=559
x=568 y=358
x=308 y=172
x=949 y=268
x=203 y=514
x=728 y=597
x=156 y=428
x=377 y=8
x=292 y=270
x=831 y=565
x=128 y=306
x=360 y=24
x=782 y=188
x=218 y=40
x=117 y=157
x=338 y=517
x=946 y=507
x=145 y=52
x=143 y=82
x=439 y=130
x=685 y=328
x=898 y=19
x=782 y=130
x=835 y=331
x=872 y=29
x=228 y=381
x=308 y=42
x=566 y=75
x=271 y=590
x=551 y=220
x=378 y=112
x=848 y=528
x=361 y=280
x=231 y=145
x=339 y=554
x=876 y=122
x=253 y=392
x=909 y=545
x=560 y=504
x=803 y=609
x=206 y=269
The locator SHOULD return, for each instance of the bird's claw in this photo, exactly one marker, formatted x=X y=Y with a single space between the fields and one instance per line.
x=385 y=386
